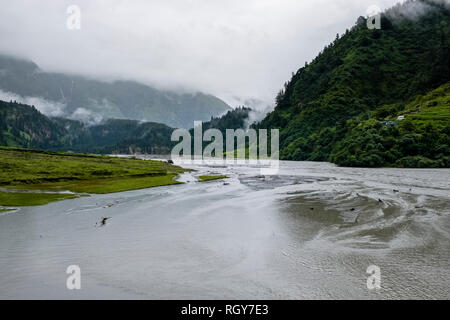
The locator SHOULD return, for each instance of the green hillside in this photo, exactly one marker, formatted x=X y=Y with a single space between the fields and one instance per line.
x=24 y=126
x=422 y=139
x=332 y=109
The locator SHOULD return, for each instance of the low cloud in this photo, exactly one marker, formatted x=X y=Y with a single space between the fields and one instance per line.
x=227 y=48
x=256 y=116
x=415 y=9
x=49 y=108
x=86 y=116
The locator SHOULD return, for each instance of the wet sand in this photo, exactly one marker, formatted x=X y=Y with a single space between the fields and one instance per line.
x=309 y=232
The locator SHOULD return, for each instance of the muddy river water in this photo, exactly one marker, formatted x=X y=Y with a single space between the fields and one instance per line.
x=309 y=232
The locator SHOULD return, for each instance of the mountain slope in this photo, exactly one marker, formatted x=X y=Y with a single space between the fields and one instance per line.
x=82 y=97
x=24 y=126
x=233 y=119
x=360 y=77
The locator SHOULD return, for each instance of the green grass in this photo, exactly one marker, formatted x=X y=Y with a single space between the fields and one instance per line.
x=80 y=173
x=433 y=107
x=31 y=199
x=210 y=178
x=102 y=186
x=6 y=210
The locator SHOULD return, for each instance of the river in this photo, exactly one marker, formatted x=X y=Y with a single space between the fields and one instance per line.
x=309 y=232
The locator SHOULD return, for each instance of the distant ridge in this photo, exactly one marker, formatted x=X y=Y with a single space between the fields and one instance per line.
x=25 y=127
x=87 y=99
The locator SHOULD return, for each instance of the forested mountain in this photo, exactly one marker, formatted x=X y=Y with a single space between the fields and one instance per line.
x=77 y=95
x=345 y=105
x=24 y=126
x=233 y=119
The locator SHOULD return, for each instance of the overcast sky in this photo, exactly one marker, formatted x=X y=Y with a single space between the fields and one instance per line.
x=234 y=49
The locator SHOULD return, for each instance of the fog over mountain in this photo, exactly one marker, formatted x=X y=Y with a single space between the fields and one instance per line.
x=91 y=101
x=235 y=50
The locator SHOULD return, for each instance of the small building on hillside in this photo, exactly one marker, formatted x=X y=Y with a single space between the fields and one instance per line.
x=401 y=118
x=388 y=123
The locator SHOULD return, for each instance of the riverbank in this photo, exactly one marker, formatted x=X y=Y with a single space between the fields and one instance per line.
x=309 y=232
x=61 y=176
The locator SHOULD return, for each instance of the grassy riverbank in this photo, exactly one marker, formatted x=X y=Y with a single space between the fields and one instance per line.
x=22 y=169
x=31 y=199
x=210 y=178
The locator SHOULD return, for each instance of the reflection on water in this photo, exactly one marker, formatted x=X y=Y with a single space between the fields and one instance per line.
x=309 y=232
